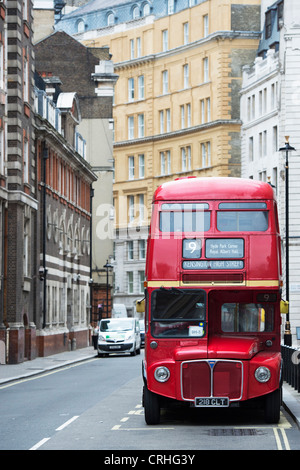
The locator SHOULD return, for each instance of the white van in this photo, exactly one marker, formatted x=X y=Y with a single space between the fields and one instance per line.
x=119 y=311
x=119 y=335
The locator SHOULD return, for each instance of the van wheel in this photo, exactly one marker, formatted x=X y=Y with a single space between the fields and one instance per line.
x=151 y=406
x=272 y=407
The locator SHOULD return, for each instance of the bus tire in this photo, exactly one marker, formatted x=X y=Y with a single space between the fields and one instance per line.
x=151 y=406
x=272 y=407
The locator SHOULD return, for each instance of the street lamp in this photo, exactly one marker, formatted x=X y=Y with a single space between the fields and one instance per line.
x=287 y=148
x=107 y=266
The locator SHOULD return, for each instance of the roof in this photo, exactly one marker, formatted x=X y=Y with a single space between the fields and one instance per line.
x=95 y=5
x=192 y=188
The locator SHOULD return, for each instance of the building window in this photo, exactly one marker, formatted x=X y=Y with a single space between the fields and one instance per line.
x=168 y=119
x=146 y=9
x=26 y=239
x=141 y=126
x=2 y=154
x=205 y=70
x=275 y=139
x=25 y=77
x=141 y=166
x=162 y=121
x=130 y=209
x=130 y=250
x=130 y=282
x=26 y=160
x=130 y=89
x=165 y=162
x=188 y=115
x=135 y=12
x=186 y=33
x=141 y=87
x=80 y=26
x=141 y=208
x=131 y=48
x=165 y=82
x=182 y=117
x=141 y=281
x=250 y=150
x=206 y=154
x=138 y=47
x=130 y=127
x=185 y=76
x=165 y=40
x=186 y=157
x=205 y=26
x=170 y=7
x=142 y=249
x=110 y=19
x=268 y=24
x=131 y=167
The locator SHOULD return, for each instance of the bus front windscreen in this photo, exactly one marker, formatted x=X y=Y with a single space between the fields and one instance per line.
x=178 y=313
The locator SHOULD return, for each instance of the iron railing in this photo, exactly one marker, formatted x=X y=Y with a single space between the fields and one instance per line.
x=291 y=366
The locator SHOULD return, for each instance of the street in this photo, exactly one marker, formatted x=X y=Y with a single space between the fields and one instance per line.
x=96 y=405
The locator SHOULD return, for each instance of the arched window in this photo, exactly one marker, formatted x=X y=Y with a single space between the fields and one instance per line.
x=146 y=9
x=135 y=12
x=80 y=26
x=110 y=19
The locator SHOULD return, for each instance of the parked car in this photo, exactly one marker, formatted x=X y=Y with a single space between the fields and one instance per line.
x=119 y=335
x=142 y=332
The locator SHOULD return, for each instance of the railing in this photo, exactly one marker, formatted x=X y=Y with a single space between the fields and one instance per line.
x=291 y=366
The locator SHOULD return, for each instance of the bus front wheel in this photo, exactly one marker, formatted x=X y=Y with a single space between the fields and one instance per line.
x=272 y=406
x=151 y=406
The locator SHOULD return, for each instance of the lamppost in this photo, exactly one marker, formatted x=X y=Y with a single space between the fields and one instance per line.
x=287 y=148
x=107 y=266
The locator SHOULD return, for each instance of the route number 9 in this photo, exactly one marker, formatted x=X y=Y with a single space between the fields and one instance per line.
x=191 y=248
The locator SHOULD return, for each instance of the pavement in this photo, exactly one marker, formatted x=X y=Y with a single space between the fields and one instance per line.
x=10 y=373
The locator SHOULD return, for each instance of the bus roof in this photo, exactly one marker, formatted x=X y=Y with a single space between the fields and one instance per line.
x=193 y=188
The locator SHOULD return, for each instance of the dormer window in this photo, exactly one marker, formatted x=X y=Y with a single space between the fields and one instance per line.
x=80 y=26
x=110 y=19
x=135 y=12
x=146 y=9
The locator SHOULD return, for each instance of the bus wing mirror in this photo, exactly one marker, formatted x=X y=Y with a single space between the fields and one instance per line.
x=140 y=306
x=284 y=306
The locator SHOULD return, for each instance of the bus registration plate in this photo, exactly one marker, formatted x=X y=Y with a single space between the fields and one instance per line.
x=211 y=402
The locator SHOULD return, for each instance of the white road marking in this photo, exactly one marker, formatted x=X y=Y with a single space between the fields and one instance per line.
x=40 y=443
x=66 y=423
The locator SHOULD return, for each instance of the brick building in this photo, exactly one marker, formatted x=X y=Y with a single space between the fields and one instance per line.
x=89 y=72
x=64 y=222
x=19 y=212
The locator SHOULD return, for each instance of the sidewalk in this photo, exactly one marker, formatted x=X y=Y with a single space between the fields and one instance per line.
x=10 y=373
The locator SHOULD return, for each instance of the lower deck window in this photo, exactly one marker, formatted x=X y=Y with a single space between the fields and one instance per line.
x=178 y=313
x=247 y=317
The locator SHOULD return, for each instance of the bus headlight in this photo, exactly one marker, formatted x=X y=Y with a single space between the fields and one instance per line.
x=262 y=374
x=162 y=374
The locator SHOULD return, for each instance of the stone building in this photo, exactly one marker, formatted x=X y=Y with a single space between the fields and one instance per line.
x=176 y=108
x=270 y=106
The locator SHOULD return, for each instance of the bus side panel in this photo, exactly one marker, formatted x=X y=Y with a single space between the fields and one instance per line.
x=263 y=258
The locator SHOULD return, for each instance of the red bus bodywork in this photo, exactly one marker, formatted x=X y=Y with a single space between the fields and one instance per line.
x=212 y=315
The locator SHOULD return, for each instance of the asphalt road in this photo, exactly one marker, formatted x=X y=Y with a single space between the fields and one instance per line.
x=96 y=405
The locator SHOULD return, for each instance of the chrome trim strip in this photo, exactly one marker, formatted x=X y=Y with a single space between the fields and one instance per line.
x=211 y=376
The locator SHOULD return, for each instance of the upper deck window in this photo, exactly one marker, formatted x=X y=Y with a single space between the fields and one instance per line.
x=249 y=219
x=184 y=217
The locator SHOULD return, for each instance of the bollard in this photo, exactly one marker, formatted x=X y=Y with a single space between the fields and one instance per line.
x=73 y=344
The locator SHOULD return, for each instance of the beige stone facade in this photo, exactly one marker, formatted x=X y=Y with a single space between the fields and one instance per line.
x=176 y=106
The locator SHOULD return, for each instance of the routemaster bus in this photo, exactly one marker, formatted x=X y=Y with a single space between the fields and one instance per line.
x=212 y=297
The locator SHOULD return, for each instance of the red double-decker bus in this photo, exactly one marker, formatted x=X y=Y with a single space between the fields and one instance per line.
x=212 y=296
